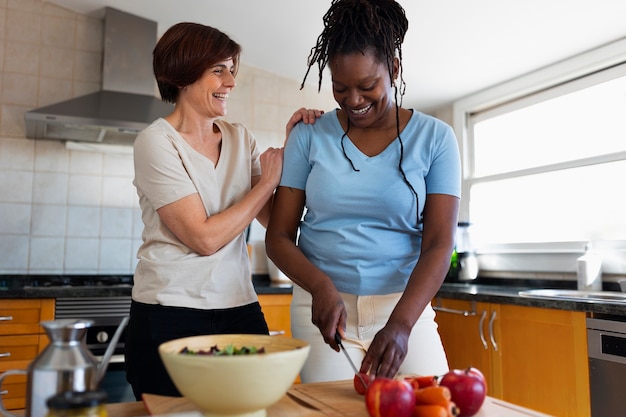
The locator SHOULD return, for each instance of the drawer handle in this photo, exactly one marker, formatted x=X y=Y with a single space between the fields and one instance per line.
x=6 y=318
x=4 y=392
x=5 y=354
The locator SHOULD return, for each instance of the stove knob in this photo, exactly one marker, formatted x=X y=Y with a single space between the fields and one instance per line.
x=102 y=337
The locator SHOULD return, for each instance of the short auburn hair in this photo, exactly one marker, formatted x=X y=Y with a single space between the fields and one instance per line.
x=185 y=52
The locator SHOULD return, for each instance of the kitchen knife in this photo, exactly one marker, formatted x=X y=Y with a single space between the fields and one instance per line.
x=343 y=349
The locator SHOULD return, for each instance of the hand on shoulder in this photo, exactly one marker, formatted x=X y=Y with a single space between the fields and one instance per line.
x=307 y=116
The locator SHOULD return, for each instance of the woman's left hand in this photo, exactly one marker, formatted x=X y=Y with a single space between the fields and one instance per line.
x=307 y=116
x=387 y=351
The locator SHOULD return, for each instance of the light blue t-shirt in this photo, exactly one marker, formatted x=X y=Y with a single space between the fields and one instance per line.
x=361 y=227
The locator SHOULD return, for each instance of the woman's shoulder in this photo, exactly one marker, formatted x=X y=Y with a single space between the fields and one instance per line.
x=160 y=129
x=231 y=126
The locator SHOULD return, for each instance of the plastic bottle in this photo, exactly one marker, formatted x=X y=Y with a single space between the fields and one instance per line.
x=589 y=270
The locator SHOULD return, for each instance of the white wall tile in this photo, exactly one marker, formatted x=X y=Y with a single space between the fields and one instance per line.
x=56 y=63
x=81 y=254
x=16 y=186
x=51 y=156
x=85 y=162
x=118 y=192
x=50 y=188
x=17 y=154
x=116 y=222
x=48 y=220
x=24 y=57
x=115 y=255
x=118 y=165
x=12 y=118
x=15 y=218
x=13 y=254
x=58 y=31
x=22 y=26
x=46 y=254
x=20 y=89
x=3 y=13
x=137 y=224
x=85 y=190
x=83 y=221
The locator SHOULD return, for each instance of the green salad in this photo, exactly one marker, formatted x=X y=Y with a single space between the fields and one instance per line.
x=229 y=350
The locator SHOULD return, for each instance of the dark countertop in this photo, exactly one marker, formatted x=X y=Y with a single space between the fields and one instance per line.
x=18 y=286
x=505 y=294
x=481 y=290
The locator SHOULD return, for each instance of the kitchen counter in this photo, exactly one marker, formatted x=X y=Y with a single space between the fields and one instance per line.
x=303 y=400
x=490 y=290
x=19 y=286
x=509 y=294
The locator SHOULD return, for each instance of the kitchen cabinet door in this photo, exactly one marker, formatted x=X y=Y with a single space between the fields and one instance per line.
x=533 y=357
x=543 y=363
x=462 y=326
x=21 y=340
x=276 y=308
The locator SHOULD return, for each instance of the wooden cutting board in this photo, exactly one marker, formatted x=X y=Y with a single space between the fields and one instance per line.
x=337 y=398
x=334 y=399
x=286 y=407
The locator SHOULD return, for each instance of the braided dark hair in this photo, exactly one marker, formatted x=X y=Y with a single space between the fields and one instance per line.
x=353 y=26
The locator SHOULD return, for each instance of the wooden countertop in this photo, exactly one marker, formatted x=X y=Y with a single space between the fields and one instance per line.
x=303 y=400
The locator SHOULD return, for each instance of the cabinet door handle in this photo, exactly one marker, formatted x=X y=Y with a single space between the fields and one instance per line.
x=491 y=335
x=6 y=318
x=480 y=329
x=4 y=392
x=464 y=313
x=5 y=354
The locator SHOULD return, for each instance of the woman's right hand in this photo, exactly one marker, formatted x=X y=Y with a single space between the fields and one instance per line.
x=329 y=314
x=272 y=166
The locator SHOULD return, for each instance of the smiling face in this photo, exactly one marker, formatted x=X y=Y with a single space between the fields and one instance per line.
x=362 y=88
x=209 y=94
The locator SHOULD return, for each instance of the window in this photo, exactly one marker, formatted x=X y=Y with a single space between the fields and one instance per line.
x=544 y=168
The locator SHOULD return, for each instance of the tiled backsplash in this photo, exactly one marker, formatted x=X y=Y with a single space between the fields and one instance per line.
x=76 y=212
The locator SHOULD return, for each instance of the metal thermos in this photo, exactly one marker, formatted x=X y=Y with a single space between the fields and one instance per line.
x=65 y=365
x=466 y=253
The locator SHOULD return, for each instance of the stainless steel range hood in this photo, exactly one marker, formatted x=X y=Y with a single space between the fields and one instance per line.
x=125 y=105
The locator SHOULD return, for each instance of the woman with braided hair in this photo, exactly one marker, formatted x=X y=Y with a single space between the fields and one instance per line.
x=381 y=185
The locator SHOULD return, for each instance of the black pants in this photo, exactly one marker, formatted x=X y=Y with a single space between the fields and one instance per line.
x=150 y=325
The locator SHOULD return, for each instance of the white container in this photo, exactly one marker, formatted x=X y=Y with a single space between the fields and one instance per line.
x=276 y=275
x=589 y=271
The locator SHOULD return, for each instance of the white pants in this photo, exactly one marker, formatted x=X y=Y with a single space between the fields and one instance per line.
x=366 y=316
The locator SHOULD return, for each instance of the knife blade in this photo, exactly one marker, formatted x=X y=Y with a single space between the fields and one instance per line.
x=343 y=349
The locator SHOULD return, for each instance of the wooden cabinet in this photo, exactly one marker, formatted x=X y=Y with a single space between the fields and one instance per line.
x=276 y=310
x=534 y=357
x=21 y=340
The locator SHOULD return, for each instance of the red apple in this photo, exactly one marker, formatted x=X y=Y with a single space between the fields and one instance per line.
x=390 y=398
x=358 y=382
x=468 y=390
x=477 y=372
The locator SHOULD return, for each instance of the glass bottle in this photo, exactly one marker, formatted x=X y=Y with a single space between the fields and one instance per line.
x=77 y=404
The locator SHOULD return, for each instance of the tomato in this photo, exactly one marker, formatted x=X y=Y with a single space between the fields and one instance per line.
x=358 y=383
x=468 y=390
x=390 y=398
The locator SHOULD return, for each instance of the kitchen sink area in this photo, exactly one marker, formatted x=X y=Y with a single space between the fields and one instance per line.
x=576 y=295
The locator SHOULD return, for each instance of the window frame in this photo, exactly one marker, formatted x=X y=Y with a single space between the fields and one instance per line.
x=541 y=260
